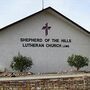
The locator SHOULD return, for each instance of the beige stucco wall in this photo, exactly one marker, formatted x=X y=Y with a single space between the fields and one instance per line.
x=45 y=59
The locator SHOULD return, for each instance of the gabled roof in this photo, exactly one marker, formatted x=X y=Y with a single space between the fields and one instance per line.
x=52 y=10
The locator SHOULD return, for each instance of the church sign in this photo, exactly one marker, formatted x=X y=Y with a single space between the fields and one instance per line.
x=47 y=42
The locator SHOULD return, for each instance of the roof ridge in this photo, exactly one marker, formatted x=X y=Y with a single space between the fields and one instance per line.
x=42 y=11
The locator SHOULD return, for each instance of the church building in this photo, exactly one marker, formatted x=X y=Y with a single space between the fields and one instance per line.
x=48 y=37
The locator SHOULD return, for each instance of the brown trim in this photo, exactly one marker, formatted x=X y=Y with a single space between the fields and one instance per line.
x=22 y=19
x=70 y=21
x=55 y=12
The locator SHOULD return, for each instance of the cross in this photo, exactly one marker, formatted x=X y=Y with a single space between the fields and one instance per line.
x=46 y=28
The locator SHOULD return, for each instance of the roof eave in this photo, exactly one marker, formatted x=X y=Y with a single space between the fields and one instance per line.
x=44 y=10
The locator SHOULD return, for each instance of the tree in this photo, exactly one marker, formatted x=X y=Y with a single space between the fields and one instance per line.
x=21 y=63
x=77 y=61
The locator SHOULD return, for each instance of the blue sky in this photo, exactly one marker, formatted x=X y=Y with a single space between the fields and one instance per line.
x=14 y=10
